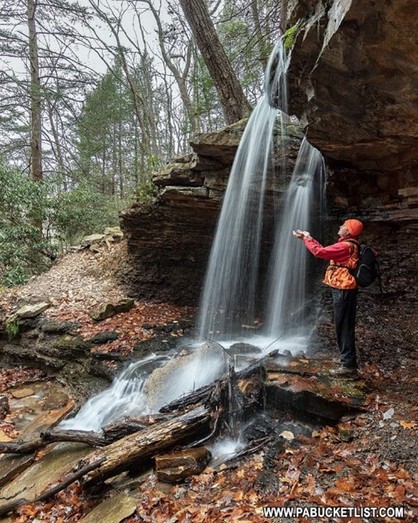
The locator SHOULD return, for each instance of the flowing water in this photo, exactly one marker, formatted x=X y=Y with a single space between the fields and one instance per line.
x=149 y=384
x=286 y=309
x=124 y=398
x=232 y=287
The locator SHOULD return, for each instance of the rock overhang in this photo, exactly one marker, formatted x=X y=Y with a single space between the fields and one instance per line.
x=353 y=81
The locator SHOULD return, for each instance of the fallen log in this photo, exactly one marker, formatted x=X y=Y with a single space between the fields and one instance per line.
x=177 y=466
x=93 y=439
x=138 y=449
x=204 y=394
x=131 y=451
x=129 y=425
x=109 y=434
x=21 y=447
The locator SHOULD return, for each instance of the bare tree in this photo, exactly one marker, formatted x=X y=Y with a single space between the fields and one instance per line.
x=233 y=100
x=35 y=96
x=180 y=76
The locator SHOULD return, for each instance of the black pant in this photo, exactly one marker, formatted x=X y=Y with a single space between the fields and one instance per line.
x=345 y=303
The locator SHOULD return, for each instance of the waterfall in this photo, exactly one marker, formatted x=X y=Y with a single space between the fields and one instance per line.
x=288 y=274
x=231 y=284
x=232 y=289
x=124 y=398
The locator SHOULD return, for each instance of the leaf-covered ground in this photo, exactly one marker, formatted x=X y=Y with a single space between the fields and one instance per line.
x=369 y=460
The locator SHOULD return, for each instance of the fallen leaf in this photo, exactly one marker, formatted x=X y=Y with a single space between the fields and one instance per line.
x=411 y=425
x=288 y=435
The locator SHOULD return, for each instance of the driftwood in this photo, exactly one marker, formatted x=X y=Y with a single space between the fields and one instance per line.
x=129 y=425
x=204 y=394
x=21 y=447
x=109 y=434
x=52 y=436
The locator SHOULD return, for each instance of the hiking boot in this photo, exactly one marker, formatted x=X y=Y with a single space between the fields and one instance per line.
x=344 y=372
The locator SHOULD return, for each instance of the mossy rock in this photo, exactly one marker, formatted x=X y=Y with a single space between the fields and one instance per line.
x=104 y=337
x=68 y=344
x=58 y=327
x=110 y=309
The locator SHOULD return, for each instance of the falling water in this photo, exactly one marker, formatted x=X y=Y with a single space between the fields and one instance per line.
x=287 y=282
x=231 y=283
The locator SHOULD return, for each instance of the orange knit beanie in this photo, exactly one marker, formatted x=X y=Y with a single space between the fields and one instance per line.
x=354 y=227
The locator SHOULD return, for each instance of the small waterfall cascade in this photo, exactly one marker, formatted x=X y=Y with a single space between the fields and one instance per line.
x=149 y=384
x=231 y=284
x=125 y=397
x=286 y=309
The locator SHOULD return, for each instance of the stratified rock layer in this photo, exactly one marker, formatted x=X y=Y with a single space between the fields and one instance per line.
x=354 y=83
x=169 y=242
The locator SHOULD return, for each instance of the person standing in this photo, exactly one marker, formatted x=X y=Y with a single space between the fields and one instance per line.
x=343 y=256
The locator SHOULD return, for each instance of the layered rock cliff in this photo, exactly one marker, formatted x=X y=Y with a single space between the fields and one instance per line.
x=353 y=84
x=169 y=241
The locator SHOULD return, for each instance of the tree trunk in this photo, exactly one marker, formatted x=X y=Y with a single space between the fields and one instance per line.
x=261 y=40
x=35 y=97
x=234 y=103
x=179 y=76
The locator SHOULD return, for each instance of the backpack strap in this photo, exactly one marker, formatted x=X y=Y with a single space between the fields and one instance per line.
x=356 y=244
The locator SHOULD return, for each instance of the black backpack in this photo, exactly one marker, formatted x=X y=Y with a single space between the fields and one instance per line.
x=367 y=269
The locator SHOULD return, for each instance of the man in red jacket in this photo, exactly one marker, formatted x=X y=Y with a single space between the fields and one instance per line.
x=343 y=256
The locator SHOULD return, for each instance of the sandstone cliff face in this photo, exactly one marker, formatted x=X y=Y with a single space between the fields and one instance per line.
x=169 y=242
x=354 y=84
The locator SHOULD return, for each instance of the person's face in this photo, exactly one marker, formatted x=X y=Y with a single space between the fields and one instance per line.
x=343 y=231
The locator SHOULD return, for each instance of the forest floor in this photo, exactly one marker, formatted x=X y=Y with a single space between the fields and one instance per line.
x=366 y=460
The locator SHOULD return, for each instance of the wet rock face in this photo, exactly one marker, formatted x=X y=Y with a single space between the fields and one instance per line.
x=353 y=82
x=169 y=242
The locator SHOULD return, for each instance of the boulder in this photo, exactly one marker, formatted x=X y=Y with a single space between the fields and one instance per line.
x=32 y=310
x=113 y=233
x=92 y=239
x=110 y=309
